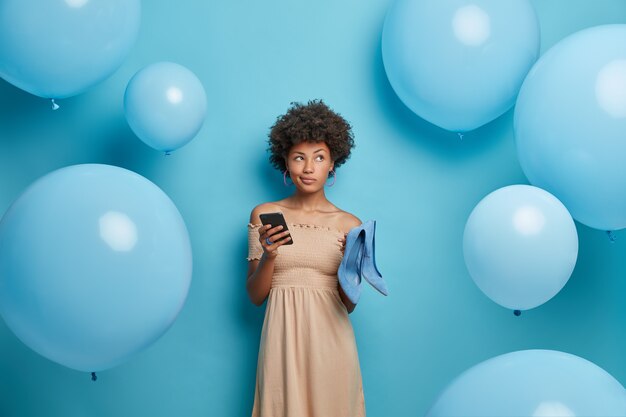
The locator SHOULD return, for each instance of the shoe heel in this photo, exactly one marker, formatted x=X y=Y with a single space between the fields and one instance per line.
x=368 y=263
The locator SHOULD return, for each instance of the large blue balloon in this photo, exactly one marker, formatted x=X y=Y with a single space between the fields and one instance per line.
x=458 y=63
x=95 y=264
x=520 y=246
x=59 y=48
x=533 y=383
x=570 y=125
x=165 y=105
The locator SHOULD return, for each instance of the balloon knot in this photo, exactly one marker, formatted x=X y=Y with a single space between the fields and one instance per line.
x=460 y=135
x=54 y=105
x=93 y=376
x=517 y=313
x=168 y=153
x=611 y=236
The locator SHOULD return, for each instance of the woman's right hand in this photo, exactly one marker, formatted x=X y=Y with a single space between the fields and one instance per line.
x=276 y=237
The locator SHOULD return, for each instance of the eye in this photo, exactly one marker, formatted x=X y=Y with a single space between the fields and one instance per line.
x=319 y=158
x=297 y=158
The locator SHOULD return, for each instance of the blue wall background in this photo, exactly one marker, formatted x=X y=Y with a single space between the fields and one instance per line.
x=418 y=181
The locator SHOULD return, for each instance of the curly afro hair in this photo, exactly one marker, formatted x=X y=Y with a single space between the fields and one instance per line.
x=313 y=122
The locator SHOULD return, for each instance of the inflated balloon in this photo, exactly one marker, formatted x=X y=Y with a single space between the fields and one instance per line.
x=165 y=105
x=520 y=246
x=59 y=48
x=95 y=265
x=570 y=124
x=456 y=63
x=537 y=383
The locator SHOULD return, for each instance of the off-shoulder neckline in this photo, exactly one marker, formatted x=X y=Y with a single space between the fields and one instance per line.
x=305 y=226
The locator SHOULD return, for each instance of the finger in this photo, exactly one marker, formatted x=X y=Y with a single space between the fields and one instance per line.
x=273 y=239
x=265 y=240
x=279 y=236
x=274 y=230
x=281 y=241
x=264 y=229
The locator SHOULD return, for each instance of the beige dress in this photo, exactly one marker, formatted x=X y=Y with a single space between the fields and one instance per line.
x=308 y=362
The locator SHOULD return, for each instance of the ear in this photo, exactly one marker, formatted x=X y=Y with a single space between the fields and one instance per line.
x=332 y=166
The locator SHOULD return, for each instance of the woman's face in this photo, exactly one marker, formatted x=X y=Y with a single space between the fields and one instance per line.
x=309 y=164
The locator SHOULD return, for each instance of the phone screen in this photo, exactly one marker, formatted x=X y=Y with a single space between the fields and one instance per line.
x=276 y=219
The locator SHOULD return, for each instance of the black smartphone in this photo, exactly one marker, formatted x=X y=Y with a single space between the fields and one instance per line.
x=276 y=219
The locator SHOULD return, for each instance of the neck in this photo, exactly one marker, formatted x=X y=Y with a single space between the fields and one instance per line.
x=310 y=202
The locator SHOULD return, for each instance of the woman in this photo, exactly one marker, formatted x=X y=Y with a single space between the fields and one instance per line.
x=308 y=364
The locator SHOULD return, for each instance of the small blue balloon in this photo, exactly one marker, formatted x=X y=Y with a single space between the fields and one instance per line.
x=59 y=48
x=520 y=246
x=165 y=105
x=456 y=63
x=95 y=265
x=570 y=125
x=537 y=383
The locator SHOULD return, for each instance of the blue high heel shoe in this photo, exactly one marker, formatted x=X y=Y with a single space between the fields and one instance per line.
x=369 y=270
x=349 y=272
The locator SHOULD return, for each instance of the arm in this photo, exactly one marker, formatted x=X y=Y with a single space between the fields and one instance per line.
x=346 y=301
x=260 y=272
x=259 y=279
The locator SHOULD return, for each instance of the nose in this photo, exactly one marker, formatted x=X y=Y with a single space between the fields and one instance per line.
x=308 y=166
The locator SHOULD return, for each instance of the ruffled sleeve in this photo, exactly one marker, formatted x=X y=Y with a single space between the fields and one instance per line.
x=255 y=250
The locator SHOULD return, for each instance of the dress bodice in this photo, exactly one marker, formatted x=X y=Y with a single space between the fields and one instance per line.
x=311 y=261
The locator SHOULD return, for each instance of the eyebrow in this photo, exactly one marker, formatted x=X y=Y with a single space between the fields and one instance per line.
x=302 y=153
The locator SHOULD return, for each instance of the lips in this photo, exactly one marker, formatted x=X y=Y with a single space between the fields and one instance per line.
x=307 y=181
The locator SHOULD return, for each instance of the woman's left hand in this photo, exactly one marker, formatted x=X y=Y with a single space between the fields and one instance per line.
x=342 y=242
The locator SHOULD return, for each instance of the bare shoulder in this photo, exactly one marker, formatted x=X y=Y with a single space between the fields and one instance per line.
x=262 y=208
x=348 y=220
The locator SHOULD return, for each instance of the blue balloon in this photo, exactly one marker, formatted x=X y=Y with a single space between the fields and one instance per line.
x=520 y=246
x=95 y=265
x=59 y=48
x=456 y=63
x=533 y=383
x=165 y=105
x=570 y=124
